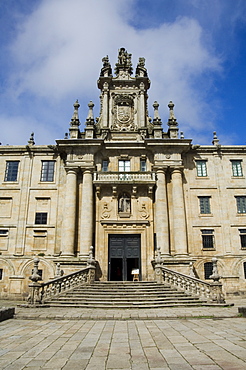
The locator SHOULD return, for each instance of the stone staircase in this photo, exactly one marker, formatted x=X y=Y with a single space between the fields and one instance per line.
x=124 y=295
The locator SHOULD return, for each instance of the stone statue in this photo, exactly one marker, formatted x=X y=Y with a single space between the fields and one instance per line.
x=125 y=203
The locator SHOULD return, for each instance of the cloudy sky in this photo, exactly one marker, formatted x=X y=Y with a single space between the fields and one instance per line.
x=51 y=53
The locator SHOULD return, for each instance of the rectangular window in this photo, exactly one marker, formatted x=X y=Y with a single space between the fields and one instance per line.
x=143 y=165
x=237 y=168
x=3 y=232
x=208 y=270
x=124 y=165
x=204 y=205
x=208 y=239
x=11 y=171
x=243 y=238
x=241 y=204
x=104 y=165
x=1 y=274
x=201 y=167
x=47 y=172
x=41 y=218
x=244 y=269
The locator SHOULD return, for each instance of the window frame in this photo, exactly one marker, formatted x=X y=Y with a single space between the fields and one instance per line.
x=122 y=165
x=11 y=174
x=241 y=204
x=208 y=242
x=242 y=235
x=204 y=204
x=237 y=170
x=208 y=270
x=1 y=274
x=41 y=217
x=47 y=173
x=201 y=168
x=143 y=165
x=105 y=165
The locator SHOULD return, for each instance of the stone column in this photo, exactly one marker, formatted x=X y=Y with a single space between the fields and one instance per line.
x=86 y=230
x=179 y=223
x=161 y=215
x=69 y=214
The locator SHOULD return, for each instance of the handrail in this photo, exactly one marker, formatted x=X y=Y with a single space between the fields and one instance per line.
x=40 y=292
x=64 y=283
x=210 y=291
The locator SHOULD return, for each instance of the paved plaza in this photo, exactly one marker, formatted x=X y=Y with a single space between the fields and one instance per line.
x=173 y=338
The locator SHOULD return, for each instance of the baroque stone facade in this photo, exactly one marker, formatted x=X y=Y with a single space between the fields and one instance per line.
x=125 y=187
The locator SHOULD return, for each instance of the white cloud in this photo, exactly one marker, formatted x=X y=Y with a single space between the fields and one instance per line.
x=58 y=55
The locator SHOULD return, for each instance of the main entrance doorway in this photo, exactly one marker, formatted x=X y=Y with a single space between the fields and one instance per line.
x=124 y=256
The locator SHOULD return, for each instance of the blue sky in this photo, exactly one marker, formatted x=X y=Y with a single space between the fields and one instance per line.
x=51 y=53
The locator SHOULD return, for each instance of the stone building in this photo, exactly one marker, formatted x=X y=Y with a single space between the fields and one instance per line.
x=125 y=187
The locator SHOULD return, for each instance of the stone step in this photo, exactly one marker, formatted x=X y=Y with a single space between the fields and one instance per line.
x=124 y=295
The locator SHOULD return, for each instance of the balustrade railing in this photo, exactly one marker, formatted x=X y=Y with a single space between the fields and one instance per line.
x=212 y=292
x=40 y=292
x=124 y=176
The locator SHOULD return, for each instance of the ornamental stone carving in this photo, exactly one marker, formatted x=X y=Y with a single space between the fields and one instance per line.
x=143 y=212
x=106 y=211
x=123 y=113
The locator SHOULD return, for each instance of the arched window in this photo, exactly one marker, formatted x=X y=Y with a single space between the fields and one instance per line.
x=244 y=269
x=208 y=269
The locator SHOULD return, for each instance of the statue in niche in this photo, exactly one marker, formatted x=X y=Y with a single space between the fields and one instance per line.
x=124 y=204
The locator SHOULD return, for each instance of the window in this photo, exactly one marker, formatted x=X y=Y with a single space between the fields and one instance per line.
x=41 y=218
x=244 y=269
x=204 y=205
x=243 y=238
x=201 y=167
x=143 y=166
x=105 y=165
x=208 y=270
x=207 y=239
x=124 y=165
x=11 y=171
x=237 y=168
x=241 y=204
x=3 y=232
x=1 y=274
x=47 y=173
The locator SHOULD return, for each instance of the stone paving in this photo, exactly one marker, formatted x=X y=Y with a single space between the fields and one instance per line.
x=208 y=338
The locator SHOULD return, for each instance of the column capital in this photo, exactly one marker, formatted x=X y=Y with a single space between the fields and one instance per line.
x=71 y=170
x=178 y=169
x=162 y=169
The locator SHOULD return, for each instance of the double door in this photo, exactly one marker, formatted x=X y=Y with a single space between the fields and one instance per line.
x=124 y=256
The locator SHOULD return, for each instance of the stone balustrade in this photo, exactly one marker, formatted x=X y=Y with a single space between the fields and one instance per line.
x=104 y=177
x=212 y=292
x=40 y=292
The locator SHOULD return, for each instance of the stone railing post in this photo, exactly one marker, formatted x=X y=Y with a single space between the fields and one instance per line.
x=35 y=286
x=217 y=293
x=158 y=265
x=91 y=263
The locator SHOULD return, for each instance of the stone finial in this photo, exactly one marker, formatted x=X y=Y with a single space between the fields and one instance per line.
x=172 y=122
x=192 y=270
x=158 y=258
x=91 y=259
x=75 y=118
x=90 y=117
x=31 y=140
x=35 y=277
x=59 y=272
x=172 y=118
x=181 y=135
x=66 y=136
x=215 y=139
x=215 y=274
x=157 y=118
